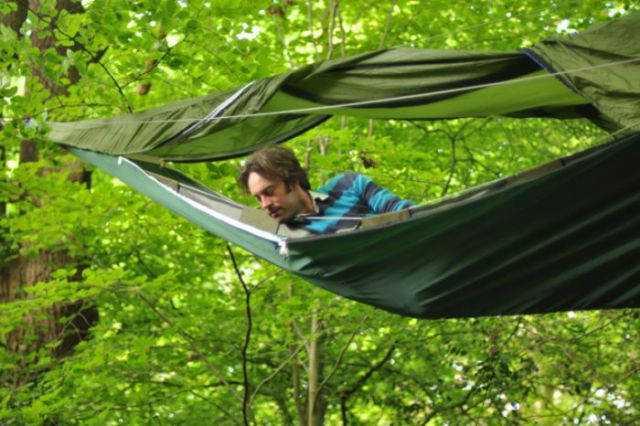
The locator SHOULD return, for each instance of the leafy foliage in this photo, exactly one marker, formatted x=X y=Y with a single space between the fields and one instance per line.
x=167 y=347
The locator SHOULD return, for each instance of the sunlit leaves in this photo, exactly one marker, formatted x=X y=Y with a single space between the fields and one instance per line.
x=167 y=345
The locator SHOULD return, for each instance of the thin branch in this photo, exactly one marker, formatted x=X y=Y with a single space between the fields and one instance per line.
x=295 y=369
x=339 y=360
x=344 y=411
x=215 y=404
x=264 y=280
x=344 y=395
x=387 y=25
x=247 y=339
x=468 y=123
x=283 y=42
x=150 y=272
x=188 y=339
x=511 y=335
x=275 y=372
x=472 y=159
x=148 y=70
x=343 y=34
x=452 y=170
x=84 y=48
x=297 y=330
x=377 y=366
x=430 y=132
x=313 y=39
x=207 y=47
x=540 y=341
x=332 y=25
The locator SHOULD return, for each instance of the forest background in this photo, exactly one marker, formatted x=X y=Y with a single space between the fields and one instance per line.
x=113 y=310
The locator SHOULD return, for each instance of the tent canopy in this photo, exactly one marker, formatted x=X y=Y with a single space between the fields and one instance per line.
x=592 y=75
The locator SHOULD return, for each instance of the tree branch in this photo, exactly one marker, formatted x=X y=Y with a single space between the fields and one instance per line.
x=452 y=169
x=215 y=404
x=92 y=54
x=247 y=339
x=387 y=25
x=332 y=25
x=188 y=339
x=375 y=367
x=430 y=132
x=340 y=357
x=313 y=39
x=275 y=372
x=283 y=42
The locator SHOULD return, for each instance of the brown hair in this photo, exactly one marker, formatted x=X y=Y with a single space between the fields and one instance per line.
x=275 y=162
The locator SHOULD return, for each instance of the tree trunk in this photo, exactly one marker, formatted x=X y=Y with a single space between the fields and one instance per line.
x=15 y=19
x=46 y=325
x=67 y=323
x=315 y=405
x=44 y=43
x=295 y=373
x=3 y=203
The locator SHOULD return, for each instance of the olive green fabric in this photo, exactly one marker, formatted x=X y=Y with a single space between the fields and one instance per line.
x=183 y=125
x=440 y=84
x=603 y=65
x=394 y=83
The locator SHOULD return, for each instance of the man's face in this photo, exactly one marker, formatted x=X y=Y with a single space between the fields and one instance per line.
x=275 y=198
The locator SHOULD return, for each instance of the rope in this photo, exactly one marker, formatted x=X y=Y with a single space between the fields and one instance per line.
x=617 y=132
x=595 y=140
x=369 y=102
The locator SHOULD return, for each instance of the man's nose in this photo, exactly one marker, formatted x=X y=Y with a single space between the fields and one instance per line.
x=265 y=202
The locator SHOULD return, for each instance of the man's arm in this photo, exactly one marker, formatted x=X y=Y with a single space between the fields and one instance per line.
x=379 y=199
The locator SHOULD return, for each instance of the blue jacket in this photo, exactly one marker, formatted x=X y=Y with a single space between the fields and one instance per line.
x=350 y=195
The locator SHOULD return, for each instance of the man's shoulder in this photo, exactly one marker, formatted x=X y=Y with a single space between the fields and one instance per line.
x=350 y=175
x=342 y=181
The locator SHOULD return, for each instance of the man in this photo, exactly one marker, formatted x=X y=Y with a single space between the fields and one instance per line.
x=281 y=186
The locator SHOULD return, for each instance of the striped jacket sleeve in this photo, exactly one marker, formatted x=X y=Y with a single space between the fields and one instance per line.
x=379 y=199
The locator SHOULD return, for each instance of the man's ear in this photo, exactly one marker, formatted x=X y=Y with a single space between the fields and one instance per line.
x=291 y=186
x=298 y=188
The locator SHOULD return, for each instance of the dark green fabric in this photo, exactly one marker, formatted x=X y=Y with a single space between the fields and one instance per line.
x=534 y=95
x=613 y=89
x=568 y=240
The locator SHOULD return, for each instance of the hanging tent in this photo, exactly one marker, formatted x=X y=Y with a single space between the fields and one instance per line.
x=564 y=236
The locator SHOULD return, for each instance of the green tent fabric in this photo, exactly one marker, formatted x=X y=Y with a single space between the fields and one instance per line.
x=563 y=238
x=182 y=131
x=568 y=240
x=613 y=90
x=566 y=237
x=394 y=83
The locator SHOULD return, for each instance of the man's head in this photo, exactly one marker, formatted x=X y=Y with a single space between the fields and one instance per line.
x=276 y=179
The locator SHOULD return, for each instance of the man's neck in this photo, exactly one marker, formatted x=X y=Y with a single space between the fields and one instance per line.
x=309 y=205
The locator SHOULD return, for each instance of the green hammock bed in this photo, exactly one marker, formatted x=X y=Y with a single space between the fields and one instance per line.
x=564 y=236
